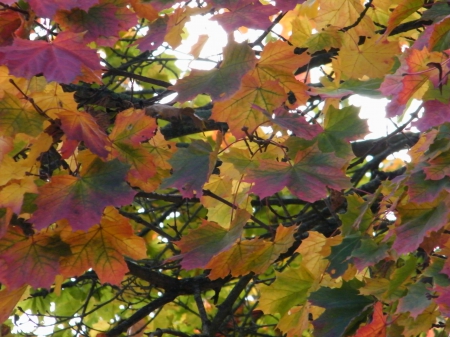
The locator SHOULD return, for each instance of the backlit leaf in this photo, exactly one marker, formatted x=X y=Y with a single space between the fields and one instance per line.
x=81 y=200
x=81 y=126
x=103 y=248
x=59 y=61
x=307 y=178
x=219 y=83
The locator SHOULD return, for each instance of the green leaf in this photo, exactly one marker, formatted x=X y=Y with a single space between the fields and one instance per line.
x=342 y=306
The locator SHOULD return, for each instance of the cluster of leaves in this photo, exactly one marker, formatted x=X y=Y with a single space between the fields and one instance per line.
x=120 y=214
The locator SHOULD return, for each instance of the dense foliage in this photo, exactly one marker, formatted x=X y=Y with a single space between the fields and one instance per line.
x=249 y=203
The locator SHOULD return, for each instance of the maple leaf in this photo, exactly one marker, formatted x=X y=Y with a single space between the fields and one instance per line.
x=53 y=99
x=144 y=10
x=416 y=221
x=9 y=299
x=30 y=260
x=295 y=123
x=338 y=132
x=219 y=83
x=12 y=194
x=59 y=61
x=241 y=110
x=278 y=63
x=81 y=126
x=81 y=200
x=422 y=190
x=416 y=300
x=191 y=168
x=435 y=113
x=290 y=288
x=47 y=8
x=133 y=126
x=201 y=244
x=254 y=255
x=10 y=21
x=342 y=306
x=102 y=20
x=155 y=36
x=306 y=178
x=402 y=11
x=103 y=248
x=246 y=13
x=343 y=13
x=15 y=117
x=377 y=327
x=10 y=169
x=374 y=58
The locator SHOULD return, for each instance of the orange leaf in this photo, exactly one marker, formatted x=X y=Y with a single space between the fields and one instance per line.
x=79 y=125
x=251 y=255
x=377 y=327
x=30 y=260
x=133 y=126
x=103 y=248
x=239 y=111
x=8 y=300
x=278 y=63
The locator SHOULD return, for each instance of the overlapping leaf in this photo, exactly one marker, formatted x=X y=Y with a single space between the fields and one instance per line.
x=81 y=200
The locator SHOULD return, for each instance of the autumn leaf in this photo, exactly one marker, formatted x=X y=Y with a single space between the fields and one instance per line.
x=307 y=177
x=374 y=58
x=290 y=288
x=81 y=126
x=377 y=327
x=103 y=248
x=35 y=259
x=404 y=9
x=81 y=200
x=102 y=20
x=273 y=66
x=191 y=168
x=415 y=221
x=15 y=117
x=254 y=255
x=59 y=61
x=219 y=83
x=133 y=126
x=208 y=240
x=12 y=195
x=9 y=300
x=241 y=110
x=245 y=13
x=47 y=8
x=53 y=99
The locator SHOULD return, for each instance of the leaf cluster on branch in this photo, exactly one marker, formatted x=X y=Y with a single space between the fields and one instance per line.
x=143 y=196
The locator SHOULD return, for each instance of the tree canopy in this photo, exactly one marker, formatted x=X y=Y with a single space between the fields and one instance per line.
x=140 y=197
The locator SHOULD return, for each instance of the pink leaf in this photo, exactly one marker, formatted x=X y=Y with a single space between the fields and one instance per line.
x=48 y=8
x=59 y=61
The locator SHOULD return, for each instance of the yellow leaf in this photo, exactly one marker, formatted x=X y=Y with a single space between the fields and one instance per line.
x=374 y=58
x=12 y=195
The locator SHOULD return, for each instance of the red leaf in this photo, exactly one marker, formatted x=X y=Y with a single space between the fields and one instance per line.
x=81 y=126
x=59 y=61
x=249 y=14
x=102 y=20
x=30 y=260
x=81 y=200
x=416 y=221
x=436 y=113
x=307 y=178
x=10 y=21
x=47 y=8
x=155 y=36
